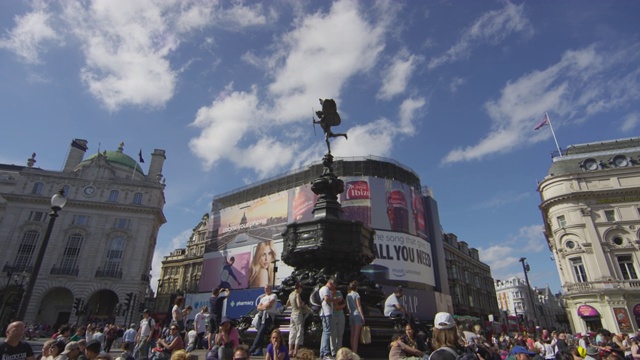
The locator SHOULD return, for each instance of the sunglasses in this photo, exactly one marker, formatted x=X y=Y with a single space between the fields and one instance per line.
x=174 y=328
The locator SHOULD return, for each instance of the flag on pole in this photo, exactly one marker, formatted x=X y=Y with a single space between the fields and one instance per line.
x=543 y=122
x=142 y=160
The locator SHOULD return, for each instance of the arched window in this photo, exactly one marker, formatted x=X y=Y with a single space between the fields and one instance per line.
x=26 y=249
x=114 y=257
x=37 y=188
x=113 y=195
x=137 y=198
x=71 y=253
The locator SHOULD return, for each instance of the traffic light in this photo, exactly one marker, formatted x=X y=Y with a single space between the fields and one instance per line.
x=128 y=300
x=141 y=307
x=77 y=304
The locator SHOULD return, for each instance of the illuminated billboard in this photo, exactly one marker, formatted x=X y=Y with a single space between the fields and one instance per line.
x=248 y=235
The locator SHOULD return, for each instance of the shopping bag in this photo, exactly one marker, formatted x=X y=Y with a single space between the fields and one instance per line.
x=365 y=335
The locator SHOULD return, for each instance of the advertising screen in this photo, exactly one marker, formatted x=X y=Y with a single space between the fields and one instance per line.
x=248 y=236
x=401 y=258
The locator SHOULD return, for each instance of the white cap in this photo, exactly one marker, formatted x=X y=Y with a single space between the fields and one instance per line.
x=443 y=321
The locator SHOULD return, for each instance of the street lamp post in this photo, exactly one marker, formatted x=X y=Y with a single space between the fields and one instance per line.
x=58 y=201
x=526 y=268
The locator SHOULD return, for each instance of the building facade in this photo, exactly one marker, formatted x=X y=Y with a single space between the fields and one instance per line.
x=470 y=281
x=516 y=302
x=101 y=246
x=181 y=270
x=590 y=203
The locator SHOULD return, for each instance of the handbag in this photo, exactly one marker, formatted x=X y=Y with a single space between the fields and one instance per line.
x=365 y=335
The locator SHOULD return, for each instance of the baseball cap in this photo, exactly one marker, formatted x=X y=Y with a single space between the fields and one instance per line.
x=72 y=345
x=521 y=350
x=443 y=321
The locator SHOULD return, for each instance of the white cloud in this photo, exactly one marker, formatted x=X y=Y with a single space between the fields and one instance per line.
x=224 y=124
x=502 y=199
x=630 y=122
x=306 y=63
x=161 y=250
x=127 y=44
x=455 y=84
x=32 y=32
x=491 y=28
x=397 y=75
x=317 y=58
x=581 y=84
x=504 y=258
x=498 y=257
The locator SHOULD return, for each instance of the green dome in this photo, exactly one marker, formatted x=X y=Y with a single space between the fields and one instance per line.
x=117 y=157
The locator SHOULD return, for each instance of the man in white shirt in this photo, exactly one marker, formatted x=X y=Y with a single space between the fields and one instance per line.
x=392 y=306
x=326 y=314
x=145 y=335
x=200 y=326
x=266 y=312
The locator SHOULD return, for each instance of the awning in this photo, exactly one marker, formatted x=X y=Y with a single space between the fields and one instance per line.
x=587 y=311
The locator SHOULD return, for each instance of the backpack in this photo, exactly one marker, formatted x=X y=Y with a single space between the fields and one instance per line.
x=466 y=355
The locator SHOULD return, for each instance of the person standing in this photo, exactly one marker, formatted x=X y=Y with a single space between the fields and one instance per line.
x=13 y=346
x=326 y=313
x=145 y=335
x=266 y=311
x=356 y=316
x=200 y=325
x=337 y=321
x=129 y=335
x=296 y=333
x=213 y=319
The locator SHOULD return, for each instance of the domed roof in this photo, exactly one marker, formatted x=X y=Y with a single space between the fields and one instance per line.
x=117 y=157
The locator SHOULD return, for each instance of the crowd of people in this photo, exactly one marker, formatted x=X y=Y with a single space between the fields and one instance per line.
x=217 y=334
x=451 y=341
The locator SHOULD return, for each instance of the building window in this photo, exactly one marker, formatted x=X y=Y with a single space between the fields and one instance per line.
x=137 y=198
x=65 y=190
x=610 y=215
x=114 y=257
x=26 y=249
x=578 y=269
x=122 y=223
x=562 y=221
x=37 y=188
x=37 y=216
x=71 y=254
x=625 y=262
x=82 y=220
x=113 y=195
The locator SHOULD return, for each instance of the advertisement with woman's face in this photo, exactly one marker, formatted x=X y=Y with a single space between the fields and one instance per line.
x=262 y=269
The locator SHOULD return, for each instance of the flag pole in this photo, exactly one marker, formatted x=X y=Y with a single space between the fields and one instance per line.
x=554 y=134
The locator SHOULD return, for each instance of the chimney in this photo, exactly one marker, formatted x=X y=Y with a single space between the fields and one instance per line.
x=76 y=154
x=155 y=168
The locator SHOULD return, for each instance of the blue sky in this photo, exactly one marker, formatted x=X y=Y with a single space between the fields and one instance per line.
x=451 y=89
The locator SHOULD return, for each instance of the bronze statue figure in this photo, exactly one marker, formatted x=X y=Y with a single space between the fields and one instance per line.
x=328 y=117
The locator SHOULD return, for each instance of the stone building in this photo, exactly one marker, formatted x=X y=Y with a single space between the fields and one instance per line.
x=181 y=270
x=101 y=246
x=470 y=281
x=590 y=203
x=516 y=301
